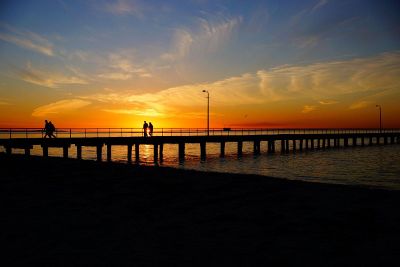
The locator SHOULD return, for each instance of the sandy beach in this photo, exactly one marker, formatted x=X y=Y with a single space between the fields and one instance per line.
x=67 y=212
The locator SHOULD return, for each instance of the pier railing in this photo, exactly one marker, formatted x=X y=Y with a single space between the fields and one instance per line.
x=11 y=133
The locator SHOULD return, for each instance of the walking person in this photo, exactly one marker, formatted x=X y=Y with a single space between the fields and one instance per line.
x=49 y=129
x=150 y=129
x=52 y=129
x=46 y=129
x=145 y=126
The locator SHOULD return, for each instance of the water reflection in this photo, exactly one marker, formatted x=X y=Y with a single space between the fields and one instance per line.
x=372 y=166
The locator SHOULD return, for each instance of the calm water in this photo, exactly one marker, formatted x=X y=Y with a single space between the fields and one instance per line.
x=377 y=166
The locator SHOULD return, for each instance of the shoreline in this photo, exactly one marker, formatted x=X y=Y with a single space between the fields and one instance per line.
x=68 y=212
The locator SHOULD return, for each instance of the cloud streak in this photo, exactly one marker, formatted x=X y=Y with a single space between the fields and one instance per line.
x=47 y=79
x=360 y=105
x=122 y=68
x=123 y=7
x=209 y=37
x=62 y=106
x=27 y=40
x=308 y=109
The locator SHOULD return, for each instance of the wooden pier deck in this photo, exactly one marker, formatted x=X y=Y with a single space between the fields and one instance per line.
x=263 y=140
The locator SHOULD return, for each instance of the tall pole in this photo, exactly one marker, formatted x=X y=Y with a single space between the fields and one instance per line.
x=380 y=118
x=208 y=111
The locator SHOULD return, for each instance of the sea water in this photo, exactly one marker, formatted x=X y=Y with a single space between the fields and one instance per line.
x=373 y=166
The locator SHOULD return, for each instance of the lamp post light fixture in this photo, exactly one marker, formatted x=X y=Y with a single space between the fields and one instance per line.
x=208 y=111
x=380 y=118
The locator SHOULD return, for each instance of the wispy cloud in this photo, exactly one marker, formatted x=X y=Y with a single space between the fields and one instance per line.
x=121 y=67
x=328 y=102
x=47 y=79
x=115 y=76
x=148 y=112
x=209 y=36
x=308 y=109
x=326 y=81
x=319 y=5
x=59 y=107
x=123 y=7
x=4 y=103
x=216 y=34
x=360 y=105
x=27 y=40
x=182 y=43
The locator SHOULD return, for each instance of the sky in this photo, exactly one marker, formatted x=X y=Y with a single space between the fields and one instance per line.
x=265 y=64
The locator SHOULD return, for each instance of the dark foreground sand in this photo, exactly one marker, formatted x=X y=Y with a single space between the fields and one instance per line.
x=67 y=212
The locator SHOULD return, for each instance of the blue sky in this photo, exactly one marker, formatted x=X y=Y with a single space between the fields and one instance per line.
x=117 y=57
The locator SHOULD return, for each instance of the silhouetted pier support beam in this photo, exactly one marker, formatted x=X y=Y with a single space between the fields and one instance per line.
x=362 y=141
x=346 y=142
x=203 y=150
x=370 y=141
x=129 y=156
x=301 y=144
x=283 y=149
x=27 y=151
x=318 y=143
x=323 y=143
x=8 y=150
x=45 y=151
x=222 y=150
x=108 y=152
x=181 y=151
x=65 y=152
x=271 y=146
x=287 y=146
x=137 y=158
x=256 y=147
x=155 y=153
x=161 y=152
x=312 y=144
x=385 y=140
x=354 y=141
x=328 y=143
x=79 y=152
x=240 y=148
x=306 y=143
x=99 y=150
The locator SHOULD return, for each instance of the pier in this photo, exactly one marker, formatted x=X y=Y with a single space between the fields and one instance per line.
x=263 y=140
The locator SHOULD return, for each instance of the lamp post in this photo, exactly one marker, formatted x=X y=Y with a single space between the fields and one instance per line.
x=380 y=118
x=208 y=111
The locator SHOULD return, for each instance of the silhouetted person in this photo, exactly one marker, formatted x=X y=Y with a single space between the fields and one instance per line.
x=150 y=129
x=52 y=129
x=145 y=126
x=46 y=129
x=49 y=129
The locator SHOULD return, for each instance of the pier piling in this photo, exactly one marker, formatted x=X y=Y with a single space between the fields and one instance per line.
x=129 y=156
x=240 y=148
x=99 y=150
x=181 y=151
x=79 y=152
x=137 y=158
x=222 y=150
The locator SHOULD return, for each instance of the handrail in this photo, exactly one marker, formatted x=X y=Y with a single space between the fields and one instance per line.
x=9 y=133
